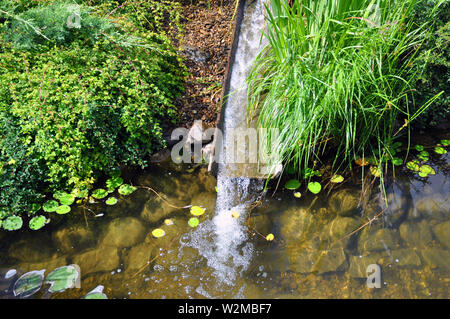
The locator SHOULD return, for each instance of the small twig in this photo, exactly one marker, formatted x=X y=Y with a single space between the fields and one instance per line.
x=173 y=206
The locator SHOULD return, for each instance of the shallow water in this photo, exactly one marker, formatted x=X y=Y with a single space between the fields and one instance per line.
x=309 y=258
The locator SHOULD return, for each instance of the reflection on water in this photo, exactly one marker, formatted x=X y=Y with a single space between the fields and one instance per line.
x=311 y=257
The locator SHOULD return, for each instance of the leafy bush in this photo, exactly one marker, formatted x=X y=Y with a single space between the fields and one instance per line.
x=79 y=104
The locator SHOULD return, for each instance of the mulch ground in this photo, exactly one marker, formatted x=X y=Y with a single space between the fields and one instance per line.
x=207 y=43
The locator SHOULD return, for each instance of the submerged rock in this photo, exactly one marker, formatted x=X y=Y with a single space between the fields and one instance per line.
x=406 y=258
x=378 y=240
x=31 y=250
x=139 y=256
x=416 y=234
x=442 y=233
x=48 y=265
x=155 y=210
x=432 y=206
x=206 y=200
x=359 y=264
x=97 y=260
x=340 y=227
x=330 y=261
x=344 y=202
x=399 y=206
x=296 y=223
x=123 y=232
x=436 y=258
x=207 y=180
x=73 y=238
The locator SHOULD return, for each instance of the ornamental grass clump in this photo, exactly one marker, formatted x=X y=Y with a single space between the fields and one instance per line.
x=335 y=75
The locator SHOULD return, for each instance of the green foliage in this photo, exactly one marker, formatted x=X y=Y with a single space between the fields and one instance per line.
x=76 y=103
x=335 y=75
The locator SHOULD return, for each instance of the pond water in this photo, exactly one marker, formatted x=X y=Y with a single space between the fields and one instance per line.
x=310 y=257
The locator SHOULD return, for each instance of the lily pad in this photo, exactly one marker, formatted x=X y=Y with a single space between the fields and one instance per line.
x=413 y=166
x=427 y=169
x=445 y=142
x=314 y=187
x=63 y=209
x=337 y=178
x=37 y=222
x=168 y=221
x=423 y=156
x=397 y=161
x=81 y=193
x=193 y=222
x=12 y=223
x=96 y=293
x=292 y=184
x=158 y=232
x=35 y=207
x=126 y=189
x=375 y=170
x=99 y=193
x=62 y=278
x=270 y=237
x=111 y=201
x=64 y=198
x=297 y=194
x=197 y=210
x=440 y=150
x=50 y=206
x=419 y=148
x=114 y=182
x=29 y=283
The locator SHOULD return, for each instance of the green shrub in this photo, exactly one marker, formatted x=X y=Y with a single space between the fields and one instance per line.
x=81 y=103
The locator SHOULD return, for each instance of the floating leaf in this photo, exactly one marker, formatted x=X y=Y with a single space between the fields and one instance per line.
x=158 y=232
x=114 y=182
x=168 y=221
x=111 y=201
x=83 y=193
x=50 y=206
x=37 y=222
x=270 y=237
x=63 y=209
x=193 y=222
x=337 y=178
x=397 y=161
x=99 y=193
x=314 y=187
x=96 y=293
x=422 y=174
x=297 y=194
x=445 y=142
x=62 y=278
x=292 y=184
x=419 y=148
x=12 y=223
x=375 y=170
x=34 y=208
x=413 y=166
x=29 y=283
x=440 y=150
x=64 y=198
x=216 y=188
x=197 y=210
x=427 y=169
x=423 y=156
x=361 y=161
x=235 y=214
x=126 y=189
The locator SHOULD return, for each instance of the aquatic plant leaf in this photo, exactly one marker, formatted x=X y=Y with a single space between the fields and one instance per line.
x=235 y=214
x=168 y=221
x=297 y=194
x=270 y=237
x=337 y=178
x=96 y=293
x=111 y=201
x=397 y=161
x=158 y=232
x=29 y=283
x=427 y=169
x=419 y=148
x=64 y=198
x=445 y=142
x=193 y=222
x=37 y=222
x=197 y=210
x=114 y=182
x=422 y=174
x=375 y=170
x=314 y=187
x=440 y=150
x=292 y=184
x=50 y=206
x=62 y=278
x=35 y=207
x=361 y=162
x=413 y=166
x=397 y=145
x=423 y=156
x=63 y=209
x=12 y=223
x=126 y=189
x=99 y=193
x=80 y=193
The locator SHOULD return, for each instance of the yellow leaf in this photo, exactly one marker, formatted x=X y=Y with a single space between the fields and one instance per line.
x=168 y=221
x=197 y=210
x=158 y=232
x=235 y=214
x=270 y=237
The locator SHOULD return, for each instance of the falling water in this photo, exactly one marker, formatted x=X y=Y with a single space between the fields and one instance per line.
x=223 y=240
